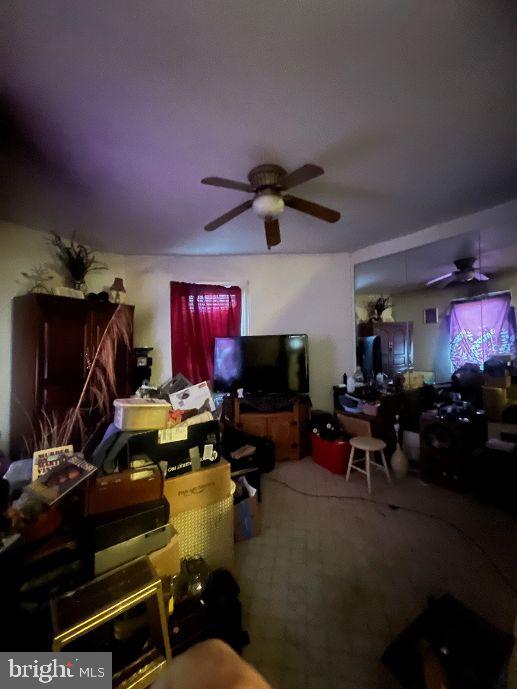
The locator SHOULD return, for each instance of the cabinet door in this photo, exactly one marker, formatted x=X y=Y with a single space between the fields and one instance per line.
x=62 y=359
x=399 y=359
x=283 y=431
x=100 y=317
x=396 y=346
x=254 y=424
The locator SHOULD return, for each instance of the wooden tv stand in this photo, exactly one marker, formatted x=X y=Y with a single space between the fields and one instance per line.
x=289 y=430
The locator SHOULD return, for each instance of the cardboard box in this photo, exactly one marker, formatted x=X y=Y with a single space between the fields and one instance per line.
x=166 y=561
x=494 y=401
x=503 y=381
x=198 y=489
x=207 y=531
x=201 y=508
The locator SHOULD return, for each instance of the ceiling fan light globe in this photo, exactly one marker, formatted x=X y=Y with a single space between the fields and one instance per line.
x=268 y=205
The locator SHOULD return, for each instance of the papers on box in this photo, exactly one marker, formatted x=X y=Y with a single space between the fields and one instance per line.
x=196 y=397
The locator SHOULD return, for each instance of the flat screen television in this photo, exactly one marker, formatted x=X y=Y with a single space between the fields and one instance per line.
x=262 y=363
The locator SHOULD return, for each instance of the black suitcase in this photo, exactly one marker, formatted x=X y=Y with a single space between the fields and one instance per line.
x=115 y=527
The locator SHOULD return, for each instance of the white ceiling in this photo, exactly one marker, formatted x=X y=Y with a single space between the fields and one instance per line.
x=495 y=249
x=118 y=109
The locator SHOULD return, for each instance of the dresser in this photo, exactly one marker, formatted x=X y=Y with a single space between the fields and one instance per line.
x=289 y=429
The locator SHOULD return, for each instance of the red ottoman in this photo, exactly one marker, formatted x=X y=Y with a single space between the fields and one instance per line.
x=331 y=454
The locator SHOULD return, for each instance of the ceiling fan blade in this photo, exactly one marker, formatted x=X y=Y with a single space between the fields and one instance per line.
x=227 y=183
x=481 y=276
x=228 y=216
x=272 y=228
x=435 y=280
x=299 y=176
x=311 y=208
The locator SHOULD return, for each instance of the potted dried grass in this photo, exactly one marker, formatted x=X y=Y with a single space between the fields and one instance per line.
x=77 y=260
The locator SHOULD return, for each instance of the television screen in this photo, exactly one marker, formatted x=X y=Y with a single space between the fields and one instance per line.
x=261 y=363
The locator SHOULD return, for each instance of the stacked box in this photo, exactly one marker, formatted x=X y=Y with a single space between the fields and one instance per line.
x=166 y=560
x=201 y=505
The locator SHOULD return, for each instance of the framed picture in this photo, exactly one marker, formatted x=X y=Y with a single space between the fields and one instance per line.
x=431 y=315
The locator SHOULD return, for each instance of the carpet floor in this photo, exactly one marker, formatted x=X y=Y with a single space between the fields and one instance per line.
x=336 y=575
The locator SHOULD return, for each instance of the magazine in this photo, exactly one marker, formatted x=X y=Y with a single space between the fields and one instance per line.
x=61 y=479
x=45 y=460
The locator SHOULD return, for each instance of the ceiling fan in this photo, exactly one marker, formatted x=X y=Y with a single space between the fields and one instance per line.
x=465 y=272
x=269 y=183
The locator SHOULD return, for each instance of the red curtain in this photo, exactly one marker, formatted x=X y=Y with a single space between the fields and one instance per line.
x=199 y=314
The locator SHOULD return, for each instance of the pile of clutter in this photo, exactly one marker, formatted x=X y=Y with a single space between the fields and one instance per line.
x=155 y=486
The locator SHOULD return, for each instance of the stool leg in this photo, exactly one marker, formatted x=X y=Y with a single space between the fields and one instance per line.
x=368 y=473
x=385 y=465
x=350 y=460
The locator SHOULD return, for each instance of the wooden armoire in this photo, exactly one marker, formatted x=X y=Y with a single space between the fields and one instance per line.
x=396 y=343
x=54 y=340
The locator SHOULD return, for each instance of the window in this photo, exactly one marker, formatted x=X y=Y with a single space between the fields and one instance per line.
x=480 y=328
x=211 y=302
x=199 y=314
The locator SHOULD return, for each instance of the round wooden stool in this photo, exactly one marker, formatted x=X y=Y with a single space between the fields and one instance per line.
x=368 y=445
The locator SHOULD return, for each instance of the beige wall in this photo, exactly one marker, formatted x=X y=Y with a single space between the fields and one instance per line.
x=310 y=294
x=20 y=250
x=431 y=342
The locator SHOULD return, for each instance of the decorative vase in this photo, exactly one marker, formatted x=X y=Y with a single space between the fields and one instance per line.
x=79 y=285
x=399 y=462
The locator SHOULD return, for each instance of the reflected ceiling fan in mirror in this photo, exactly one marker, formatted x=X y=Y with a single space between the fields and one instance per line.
x=268 y=184
x=465 y=272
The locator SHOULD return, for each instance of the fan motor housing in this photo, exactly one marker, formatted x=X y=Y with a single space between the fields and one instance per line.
x=266 y=176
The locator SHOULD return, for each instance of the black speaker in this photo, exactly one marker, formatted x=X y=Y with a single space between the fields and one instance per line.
x=447 y=448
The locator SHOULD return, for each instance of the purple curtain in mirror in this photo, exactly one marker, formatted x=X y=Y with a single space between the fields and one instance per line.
x=481 y=328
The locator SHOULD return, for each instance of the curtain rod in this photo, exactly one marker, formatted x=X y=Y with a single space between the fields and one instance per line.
x=483 y=296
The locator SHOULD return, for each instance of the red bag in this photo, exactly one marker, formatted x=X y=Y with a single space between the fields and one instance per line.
x=331 y=454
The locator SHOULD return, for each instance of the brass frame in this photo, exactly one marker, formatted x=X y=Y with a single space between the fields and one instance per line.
x=151 y=594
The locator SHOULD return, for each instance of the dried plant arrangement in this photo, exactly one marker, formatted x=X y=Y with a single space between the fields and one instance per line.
x=99 y=389
x=38 y=276
x=76 y=258
x=378 y=307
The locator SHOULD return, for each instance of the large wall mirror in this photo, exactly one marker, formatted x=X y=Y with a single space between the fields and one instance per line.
x=436 y=344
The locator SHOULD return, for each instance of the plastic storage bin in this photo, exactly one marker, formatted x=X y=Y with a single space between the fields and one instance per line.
x=331 y=454
x=136 y=414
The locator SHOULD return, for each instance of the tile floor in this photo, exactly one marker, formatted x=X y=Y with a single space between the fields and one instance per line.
x=331 y=581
